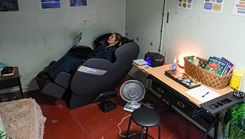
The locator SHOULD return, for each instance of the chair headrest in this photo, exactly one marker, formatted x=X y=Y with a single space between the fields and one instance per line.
x=104 y=37
x=125 y=40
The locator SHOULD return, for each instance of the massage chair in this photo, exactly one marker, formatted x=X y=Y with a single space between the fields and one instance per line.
x=95 y=79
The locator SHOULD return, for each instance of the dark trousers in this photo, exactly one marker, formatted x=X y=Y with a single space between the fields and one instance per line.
x=66 y=63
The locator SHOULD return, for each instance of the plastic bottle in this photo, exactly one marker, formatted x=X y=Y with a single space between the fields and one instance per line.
x=174 y=64
x=194 y=59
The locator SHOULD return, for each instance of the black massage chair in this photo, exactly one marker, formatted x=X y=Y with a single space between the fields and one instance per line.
x=95 y=79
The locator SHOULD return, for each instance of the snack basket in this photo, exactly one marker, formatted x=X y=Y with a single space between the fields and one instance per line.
x=204 y=76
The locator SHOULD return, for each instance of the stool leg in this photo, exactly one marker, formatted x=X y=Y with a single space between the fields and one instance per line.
x=146 y=132
x=159 y=131
x=128 y=127
x=142 y=132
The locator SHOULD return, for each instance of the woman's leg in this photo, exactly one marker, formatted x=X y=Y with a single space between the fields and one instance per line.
x=66 y=64
x=57 y=63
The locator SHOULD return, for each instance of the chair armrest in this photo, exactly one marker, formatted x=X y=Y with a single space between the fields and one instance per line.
x=63 y=79
x=86 y=83
x=98 y=63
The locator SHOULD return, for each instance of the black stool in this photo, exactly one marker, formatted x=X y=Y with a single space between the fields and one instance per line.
x=145 y=117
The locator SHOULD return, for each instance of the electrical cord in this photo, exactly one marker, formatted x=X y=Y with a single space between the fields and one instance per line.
x=120 y=128
x=79 y=38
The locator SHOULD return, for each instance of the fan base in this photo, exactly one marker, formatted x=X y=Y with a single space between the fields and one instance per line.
x=131 y=106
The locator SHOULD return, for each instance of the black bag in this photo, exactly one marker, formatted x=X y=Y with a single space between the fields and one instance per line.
x=79 y=51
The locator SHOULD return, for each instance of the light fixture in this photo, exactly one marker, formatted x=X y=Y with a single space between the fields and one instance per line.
x=181 y=61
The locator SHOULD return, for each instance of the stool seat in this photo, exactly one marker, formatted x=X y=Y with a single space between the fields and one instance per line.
x=146 y=117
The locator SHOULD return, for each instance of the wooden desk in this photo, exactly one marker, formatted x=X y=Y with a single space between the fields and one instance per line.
x=158 y=72
x=11 y=81
x=175 y=94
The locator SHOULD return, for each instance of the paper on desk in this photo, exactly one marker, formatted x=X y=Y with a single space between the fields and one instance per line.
x=202 y=93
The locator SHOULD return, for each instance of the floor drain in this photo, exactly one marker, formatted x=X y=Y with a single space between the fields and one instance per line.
x=54 y=121
x=60 y=106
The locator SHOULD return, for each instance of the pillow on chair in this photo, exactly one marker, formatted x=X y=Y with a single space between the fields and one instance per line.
x=79 y=51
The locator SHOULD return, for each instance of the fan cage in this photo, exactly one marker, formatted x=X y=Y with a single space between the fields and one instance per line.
x=132 y=90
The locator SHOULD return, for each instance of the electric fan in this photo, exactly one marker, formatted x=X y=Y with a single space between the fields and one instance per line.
x=133 y=92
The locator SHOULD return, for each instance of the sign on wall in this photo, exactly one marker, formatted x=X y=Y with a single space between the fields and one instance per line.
x=9 y=5
x=185 y=4
x=78 y=3
x=215 y=6
x=239 y=7
x=46 y=4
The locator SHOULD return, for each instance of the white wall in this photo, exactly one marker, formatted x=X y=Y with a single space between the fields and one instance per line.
x=143 y=24
x=205 y=34
x=31 y=37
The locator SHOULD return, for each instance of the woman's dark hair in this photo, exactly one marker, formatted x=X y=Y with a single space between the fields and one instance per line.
x=118 y=38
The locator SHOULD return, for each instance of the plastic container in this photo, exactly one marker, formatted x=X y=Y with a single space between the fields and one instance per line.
x=174 y=64
x=236 y=79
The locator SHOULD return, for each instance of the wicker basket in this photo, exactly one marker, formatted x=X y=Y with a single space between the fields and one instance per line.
x=204 y=76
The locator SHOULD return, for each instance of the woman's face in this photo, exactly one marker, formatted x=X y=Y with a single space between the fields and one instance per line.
x=112 y=39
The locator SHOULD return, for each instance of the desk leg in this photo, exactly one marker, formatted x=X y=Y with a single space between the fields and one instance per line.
x=215 y=124
x=216 y=128
x=20 y=88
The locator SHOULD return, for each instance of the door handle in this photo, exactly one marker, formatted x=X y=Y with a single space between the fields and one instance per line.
x=160 y=90
x=181 y=104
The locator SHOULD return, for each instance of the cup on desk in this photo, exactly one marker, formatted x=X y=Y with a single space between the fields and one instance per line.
x=236 y=79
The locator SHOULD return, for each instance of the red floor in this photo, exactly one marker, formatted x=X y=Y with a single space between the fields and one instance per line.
x=89 y=122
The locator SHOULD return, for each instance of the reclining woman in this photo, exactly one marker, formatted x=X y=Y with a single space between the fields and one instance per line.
x=69 y=63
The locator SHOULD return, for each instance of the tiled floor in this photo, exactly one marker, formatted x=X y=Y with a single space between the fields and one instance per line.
x=89 y=122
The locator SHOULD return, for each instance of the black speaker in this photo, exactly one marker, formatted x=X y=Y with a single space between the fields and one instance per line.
x=154 y=59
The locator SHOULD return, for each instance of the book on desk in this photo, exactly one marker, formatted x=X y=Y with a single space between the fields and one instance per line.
x=140 y=62
x=7 y=71
x=220 y=66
